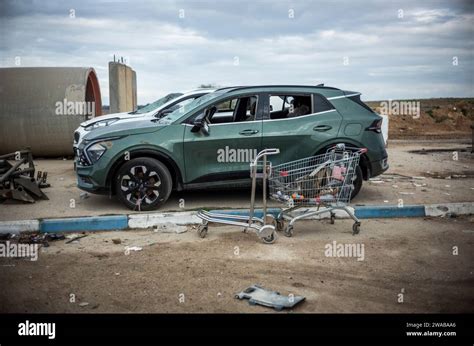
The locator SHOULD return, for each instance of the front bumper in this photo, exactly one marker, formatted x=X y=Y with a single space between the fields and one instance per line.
x=86 y=182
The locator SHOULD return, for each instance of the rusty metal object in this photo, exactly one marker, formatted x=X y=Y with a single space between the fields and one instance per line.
x=17 y=178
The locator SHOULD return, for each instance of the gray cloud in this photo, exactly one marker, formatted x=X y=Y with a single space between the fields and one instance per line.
x=388 y=56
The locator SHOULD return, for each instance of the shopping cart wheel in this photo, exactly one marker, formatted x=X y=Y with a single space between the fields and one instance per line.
x=270 y=239
x=202 y=231
x=333 y=218
x=288 y=231
x=280 y=225
x=356 y=228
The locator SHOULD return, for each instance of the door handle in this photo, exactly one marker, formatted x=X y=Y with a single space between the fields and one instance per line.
x=322 y=128
x=248 y=132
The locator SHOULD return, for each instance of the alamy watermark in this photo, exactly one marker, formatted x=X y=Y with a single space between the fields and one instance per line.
x=236 y=155
x=28 y=328
x=393 y=107
x=15 y=250
x=335 y=249
x=66 y=107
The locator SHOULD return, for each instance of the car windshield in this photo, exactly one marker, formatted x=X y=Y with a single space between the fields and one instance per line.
x=158 y=103
x=178 y=113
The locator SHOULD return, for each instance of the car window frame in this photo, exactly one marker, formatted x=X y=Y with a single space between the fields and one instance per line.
x=193 y=96
x=258 y=112
x=266 y=114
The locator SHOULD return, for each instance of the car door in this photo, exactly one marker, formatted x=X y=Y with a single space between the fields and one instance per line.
x=300 y=136
x=225 y=152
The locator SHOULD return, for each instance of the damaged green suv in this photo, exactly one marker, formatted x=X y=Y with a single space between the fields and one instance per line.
x=210 y=141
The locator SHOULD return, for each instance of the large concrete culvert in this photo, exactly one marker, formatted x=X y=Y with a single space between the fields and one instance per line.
x=40 y=107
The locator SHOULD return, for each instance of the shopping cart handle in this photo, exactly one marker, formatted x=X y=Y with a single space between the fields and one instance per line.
x=265 y=152
x=272 y=151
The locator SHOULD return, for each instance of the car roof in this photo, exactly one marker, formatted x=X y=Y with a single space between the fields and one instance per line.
x=267 y=86
x=319 y=88
x=198 y=91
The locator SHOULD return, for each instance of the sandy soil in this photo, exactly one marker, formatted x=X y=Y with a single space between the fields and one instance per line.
x=411 y=256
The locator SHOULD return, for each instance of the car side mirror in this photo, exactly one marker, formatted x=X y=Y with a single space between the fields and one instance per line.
x=201 y=121
x=163 y=113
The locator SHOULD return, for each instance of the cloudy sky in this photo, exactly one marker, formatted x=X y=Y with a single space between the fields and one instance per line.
x=384 y=49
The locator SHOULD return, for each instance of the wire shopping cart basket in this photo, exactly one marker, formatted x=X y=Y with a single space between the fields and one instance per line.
x=260 y=167
x=323 y=182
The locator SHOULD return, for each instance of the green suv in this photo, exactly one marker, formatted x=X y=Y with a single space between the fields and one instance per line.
x=210 y=141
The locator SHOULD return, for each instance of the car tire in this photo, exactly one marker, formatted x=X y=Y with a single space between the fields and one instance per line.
x=357 y=182
x=143 y=184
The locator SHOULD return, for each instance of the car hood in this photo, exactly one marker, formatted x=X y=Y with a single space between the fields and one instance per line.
x=125 y=128
x=121 y=116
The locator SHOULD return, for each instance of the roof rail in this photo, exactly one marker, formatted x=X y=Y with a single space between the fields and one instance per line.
x=277 y=86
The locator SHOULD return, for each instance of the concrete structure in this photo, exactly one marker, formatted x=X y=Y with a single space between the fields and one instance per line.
x=122 y=88
x=40 y=107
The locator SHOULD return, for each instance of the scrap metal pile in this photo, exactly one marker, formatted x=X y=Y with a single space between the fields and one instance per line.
x=17 y=178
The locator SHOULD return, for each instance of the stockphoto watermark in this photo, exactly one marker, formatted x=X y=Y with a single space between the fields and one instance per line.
x=65 y=107
x=335 y=249
x=28 y=328
x=19 y=250
x=228 y=154
x=393 y=107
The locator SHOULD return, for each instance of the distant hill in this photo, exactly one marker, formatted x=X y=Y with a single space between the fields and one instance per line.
x=439 y=118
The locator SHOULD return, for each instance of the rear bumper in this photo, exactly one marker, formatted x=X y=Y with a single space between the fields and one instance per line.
x=378 y=167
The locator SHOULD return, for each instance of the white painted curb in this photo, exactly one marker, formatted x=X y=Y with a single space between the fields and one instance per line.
x=455 y=208
x=162 y=219
x=19 y=226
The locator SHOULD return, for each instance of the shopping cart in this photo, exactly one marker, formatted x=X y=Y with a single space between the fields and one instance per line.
x=260 y=167
x=322 y=182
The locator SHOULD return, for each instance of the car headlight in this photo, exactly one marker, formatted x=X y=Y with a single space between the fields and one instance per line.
x=100 y=123
x=95 y=151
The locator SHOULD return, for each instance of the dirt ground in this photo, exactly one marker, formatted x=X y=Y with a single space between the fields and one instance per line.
x=439 y=179
x=184 y=273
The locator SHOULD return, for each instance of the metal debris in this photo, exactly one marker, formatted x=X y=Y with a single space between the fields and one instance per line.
x=76 y=238
x=17 y=178
x=84 y=195
x=54 y=236
x=258 y=295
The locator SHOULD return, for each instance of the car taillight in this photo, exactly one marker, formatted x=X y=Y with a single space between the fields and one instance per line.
x=376 y=126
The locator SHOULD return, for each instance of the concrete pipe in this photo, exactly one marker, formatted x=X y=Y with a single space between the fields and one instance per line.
x=40 y=107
